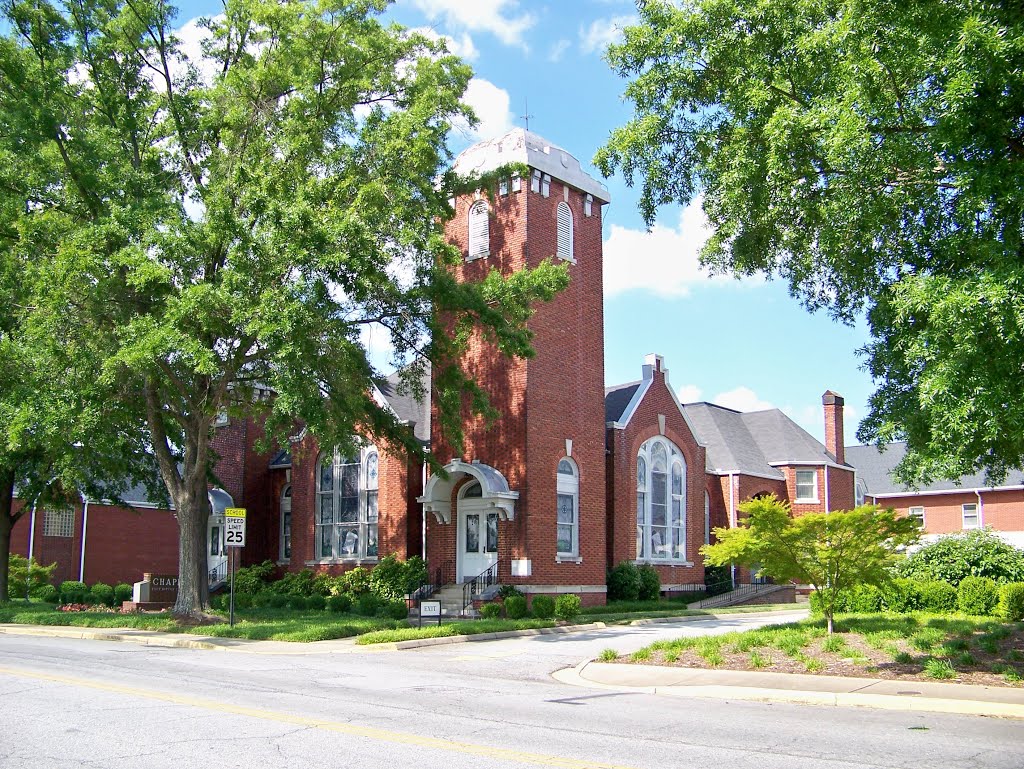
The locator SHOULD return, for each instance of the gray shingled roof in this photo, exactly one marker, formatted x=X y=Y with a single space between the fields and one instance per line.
x=617 y=398
x=875 y=468
x=406 y=406
x=751 y=443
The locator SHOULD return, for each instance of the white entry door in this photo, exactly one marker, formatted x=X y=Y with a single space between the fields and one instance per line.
x=217 y=554
x=478 y=539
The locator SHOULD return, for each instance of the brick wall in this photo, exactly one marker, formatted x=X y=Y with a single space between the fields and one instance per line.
x=943 y=513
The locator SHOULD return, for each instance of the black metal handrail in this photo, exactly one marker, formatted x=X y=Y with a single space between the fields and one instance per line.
x=436 y=579
x=473 y=588
x=218 y=574
x=737 y=593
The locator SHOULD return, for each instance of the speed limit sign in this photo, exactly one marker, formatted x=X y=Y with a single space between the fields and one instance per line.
x=234 y=526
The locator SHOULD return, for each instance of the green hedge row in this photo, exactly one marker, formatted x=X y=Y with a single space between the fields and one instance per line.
x=974 y=595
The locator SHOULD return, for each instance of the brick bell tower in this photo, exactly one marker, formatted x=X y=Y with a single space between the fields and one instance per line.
x=550 y=513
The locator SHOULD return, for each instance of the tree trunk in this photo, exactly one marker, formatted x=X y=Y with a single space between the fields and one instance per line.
x=828 y=618
x=7 y=521
x=193 y=510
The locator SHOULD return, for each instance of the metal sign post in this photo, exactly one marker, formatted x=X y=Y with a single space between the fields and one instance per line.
x=234 y=538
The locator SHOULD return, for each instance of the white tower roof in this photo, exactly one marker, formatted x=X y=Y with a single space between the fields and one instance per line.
x=522 y=146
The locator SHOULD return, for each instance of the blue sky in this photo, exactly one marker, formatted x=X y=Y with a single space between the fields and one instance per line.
x=743 y=344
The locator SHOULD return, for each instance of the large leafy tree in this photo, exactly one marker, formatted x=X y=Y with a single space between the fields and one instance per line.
x=831 y=552
x=232 y=221
x=871 y=154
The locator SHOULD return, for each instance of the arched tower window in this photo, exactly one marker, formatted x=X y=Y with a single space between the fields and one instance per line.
x=567 y=502
x=346 y=506
x=660 y=502
x=479 y=230
x=564 y=217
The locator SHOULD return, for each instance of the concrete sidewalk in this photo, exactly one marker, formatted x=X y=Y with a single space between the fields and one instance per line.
x=1004 y=702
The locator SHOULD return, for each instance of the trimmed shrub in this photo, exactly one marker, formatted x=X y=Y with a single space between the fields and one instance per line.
x=278 y=600
x=355 y=582
x=515 y=606
x=252 y=579
x=952 y=558
x=508 y=591
x=325 y=585
x=650 y=583
x=937 y=596
x=388 y=578
x=901 y=596
x=568 y=606
x=490 y=610
x=316 y=602
x=340 y=603
x=977 y=595
x=46 y=594
x=297 y=603
x=122 y=593
x=72 y=591
x=217 y=601
x=298 y=583
x=624 y=582
x=395 y=609
x=862 y=599
x=102 y=594
x=367 y=604
x=242 y=601
x=1011 y=601
x=543 y=607
x=23 y=578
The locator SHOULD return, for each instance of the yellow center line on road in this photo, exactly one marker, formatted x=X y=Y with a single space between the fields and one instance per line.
x=383 y=735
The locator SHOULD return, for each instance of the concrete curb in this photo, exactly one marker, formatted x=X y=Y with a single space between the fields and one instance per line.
x=576 y=676
x=455 y=639
x=712 y=615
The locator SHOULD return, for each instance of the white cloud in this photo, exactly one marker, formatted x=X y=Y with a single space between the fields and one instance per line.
x=663 y=261
x=462 y=47
x=499 y=17
x=603 y=32
x=742 y=399
x=491 y=105
x=689 y=393
x=558 y=50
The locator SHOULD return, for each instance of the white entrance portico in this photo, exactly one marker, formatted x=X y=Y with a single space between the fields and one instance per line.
x=482 y=502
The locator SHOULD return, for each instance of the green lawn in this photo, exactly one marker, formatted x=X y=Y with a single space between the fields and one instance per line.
x=922 y=645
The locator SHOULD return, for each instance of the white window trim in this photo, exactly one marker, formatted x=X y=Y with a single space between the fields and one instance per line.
x=976 y=515
x=675 y=456
x=362 y=524
x=478 y=245
x=285 y=493
x=910 y=513
x=59 y=522
x=796 y=486
x=568 y=485
x=563 y=210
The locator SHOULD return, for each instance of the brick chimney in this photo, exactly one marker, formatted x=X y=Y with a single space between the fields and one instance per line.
x=834 y=425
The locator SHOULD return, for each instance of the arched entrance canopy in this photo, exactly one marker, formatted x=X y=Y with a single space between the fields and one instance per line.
x=437 y=496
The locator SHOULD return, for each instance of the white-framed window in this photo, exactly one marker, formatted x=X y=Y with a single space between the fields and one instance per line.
x=917 y=512
x=535 y=181
x=221 y=420
x=503 y=187
x=970 y=516
x=285 y=549
x=59 y=522
x=806 y=485
x=588 y=205
x=661 y=502
x=545 y=185
x=479 y=230
x=564 y=219
x=517 y=184
x=346 y=506
x=568 y=506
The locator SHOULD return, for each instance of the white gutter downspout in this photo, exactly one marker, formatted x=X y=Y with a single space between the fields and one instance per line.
x=32 y=532
x=423 y=515
x=825 y=470
x=732 y=521
x=981 y=509
x=85 y=527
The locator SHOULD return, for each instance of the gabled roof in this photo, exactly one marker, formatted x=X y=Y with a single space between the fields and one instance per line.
x=405 y=405
x=753 y=443
x=875 y=467
x=617 y=398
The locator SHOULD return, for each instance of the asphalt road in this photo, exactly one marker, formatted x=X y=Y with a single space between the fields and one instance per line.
x=75 y=703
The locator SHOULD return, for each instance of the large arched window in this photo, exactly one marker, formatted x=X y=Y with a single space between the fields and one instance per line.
x=479 y=230
x=564 y=217
x=660 y=502
x=568 y=506
x=346 y=506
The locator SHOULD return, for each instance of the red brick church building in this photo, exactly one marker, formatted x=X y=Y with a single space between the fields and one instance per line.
x=573 y=478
